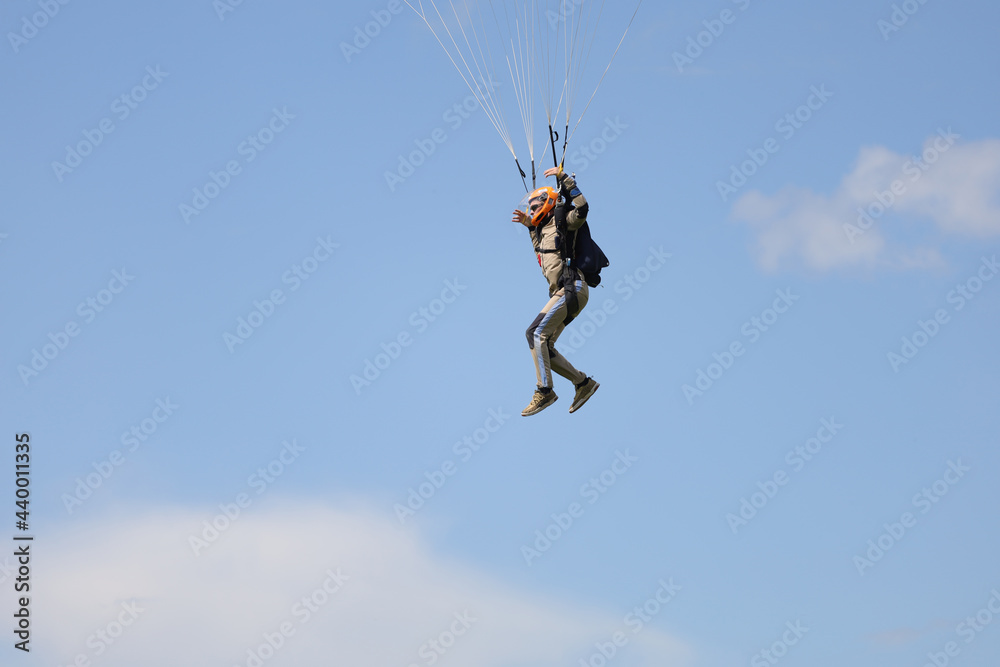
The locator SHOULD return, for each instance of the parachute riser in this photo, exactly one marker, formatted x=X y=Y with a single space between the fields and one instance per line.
x=554 y=137
x=523 y=175
x=565 y=144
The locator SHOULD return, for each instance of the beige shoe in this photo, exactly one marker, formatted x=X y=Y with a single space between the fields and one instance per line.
x=583 y=393
x=539 y=402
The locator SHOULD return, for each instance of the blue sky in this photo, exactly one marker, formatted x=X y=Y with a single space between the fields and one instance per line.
x=742 y=317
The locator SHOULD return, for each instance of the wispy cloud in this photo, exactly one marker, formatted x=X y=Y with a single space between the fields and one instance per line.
x=380 y=597
x=951 y=184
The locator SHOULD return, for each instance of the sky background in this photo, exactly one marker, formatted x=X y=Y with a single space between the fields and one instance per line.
x=123 y=527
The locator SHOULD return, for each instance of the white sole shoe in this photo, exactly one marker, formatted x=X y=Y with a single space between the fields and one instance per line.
x=583 y=394
x=539 y=402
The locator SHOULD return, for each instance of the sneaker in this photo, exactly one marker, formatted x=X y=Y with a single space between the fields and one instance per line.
x=583 y=393
x=539 y=402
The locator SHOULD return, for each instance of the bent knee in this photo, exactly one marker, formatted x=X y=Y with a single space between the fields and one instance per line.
x=533 y=329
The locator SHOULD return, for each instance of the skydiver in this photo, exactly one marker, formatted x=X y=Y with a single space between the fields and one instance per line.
x=540 y=215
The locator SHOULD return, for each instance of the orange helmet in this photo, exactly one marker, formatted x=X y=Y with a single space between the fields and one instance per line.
x=539 y=204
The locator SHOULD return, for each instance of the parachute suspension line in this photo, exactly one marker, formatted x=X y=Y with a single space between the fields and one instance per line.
x=494 y=114
x=487 y=80
x=545 y=62
x=530 y=76
x=516 y=70
x=485 y=97
x=569 y=48
x=489 y=50
x=562 y=97
x=586 y=44
x=599 y=83
x=523 y=175
x=571 y=37
x=493 y=84
x=552 y=67
x=526 y=119
x=529 y=35
x=548 y=62
x=575 y=38
x=567 y=60
x=528 y=69
x=547 y=77
x=555 y=71
x=541 y=48
x=538 y=78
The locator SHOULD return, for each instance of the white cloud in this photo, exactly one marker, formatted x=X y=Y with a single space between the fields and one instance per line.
x=210 y=609
x=951 y=184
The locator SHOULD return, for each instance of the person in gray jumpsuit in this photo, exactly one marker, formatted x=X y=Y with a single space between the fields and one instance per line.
x=564 y=304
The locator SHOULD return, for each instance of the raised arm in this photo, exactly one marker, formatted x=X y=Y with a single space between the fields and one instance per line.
x=577 y=203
